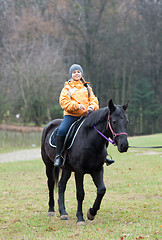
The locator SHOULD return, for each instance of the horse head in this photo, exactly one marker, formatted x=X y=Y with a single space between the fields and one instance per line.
x=118 y=122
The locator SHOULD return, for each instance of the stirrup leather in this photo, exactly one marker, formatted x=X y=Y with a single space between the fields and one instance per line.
x=59 y=155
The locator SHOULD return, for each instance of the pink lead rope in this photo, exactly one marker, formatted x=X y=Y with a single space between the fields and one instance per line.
x=111 y=141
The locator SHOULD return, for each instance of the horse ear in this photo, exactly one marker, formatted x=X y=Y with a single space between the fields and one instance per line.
x=111 y=106
x=125 y=106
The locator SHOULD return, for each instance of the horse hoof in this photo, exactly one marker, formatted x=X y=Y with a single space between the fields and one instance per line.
x=64 y=217
x=89 y=216
x=51 y=214
x=81 y=223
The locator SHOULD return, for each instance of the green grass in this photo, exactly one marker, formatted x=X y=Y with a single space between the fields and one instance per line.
x=130 y=208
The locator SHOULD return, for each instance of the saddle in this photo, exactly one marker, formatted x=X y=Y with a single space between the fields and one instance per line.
x=70 y=136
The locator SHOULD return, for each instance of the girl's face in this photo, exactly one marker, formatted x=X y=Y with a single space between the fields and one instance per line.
x=76 y=75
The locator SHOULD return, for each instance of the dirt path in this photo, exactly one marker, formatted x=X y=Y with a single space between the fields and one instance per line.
x=21 y=155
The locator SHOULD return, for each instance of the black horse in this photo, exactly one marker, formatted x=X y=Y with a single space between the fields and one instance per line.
x=86 y=156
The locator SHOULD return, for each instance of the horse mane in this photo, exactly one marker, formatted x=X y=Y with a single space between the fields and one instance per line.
x=96 y=117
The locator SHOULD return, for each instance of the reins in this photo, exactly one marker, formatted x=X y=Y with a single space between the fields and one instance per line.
x=111 y=141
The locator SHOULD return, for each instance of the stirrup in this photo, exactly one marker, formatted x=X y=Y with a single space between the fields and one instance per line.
x=109 y=161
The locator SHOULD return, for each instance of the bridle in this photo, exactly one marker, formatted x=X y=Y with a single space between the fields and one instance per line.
x=113 y=133
x=108 y=126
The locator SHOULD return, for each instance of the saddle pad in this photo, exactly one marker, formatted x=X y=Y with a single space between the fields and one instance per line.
x=72 y=132
x=70 y=136
x=52 y=139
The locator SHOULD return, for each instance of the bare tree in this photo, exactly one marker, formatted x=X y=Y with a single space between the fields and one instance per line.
x=32 y=63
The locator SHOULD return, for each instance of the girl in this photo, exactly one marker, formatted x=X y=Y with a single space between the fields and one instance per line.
x=76 y=99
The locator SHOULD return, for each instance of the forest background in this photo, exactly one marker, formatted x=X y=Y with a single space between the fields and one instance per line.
x=117 y=42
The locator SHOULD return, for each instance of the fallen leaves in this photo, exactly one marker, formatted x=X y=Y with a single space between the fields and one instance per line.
x=124 y=235
x=74 y=236
x=138 y=237
x=50 y=229
x=16 y=220
x=127 y=235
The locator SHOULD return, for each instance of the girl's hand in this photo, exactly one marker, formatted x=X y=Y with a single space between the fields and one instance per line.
x=81 y=107
x=90 y=108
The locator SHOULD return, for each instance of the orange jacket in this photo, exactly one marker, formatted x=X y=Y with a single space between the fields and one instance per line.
x=75 y=93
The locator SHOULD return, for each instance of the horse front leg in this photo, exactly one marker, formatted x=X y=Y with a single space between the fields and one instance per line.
x=80 y=197
x=101 y=189
x=62 y=187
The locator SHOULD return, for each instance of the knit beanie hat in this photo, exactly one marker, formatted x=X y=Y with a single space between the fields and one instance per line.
x=75 y=67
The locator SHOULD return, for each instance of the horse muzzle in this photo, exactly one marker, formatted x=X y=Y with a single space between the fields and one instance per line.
x=122 y=144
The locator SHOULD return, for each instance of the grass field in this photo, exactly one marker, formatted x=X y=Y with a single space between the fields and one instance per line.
x=130 y=208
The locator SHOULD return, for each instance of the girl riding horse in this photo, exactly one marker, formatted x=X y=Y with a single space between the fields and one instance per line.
x=86 y=156
x=76 y=99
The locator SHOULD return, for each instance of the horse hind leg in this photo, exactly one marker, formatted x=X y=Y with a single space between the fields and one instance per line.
x=51 y=183
x=62 y=187
x=101 y=189
x=80 y=197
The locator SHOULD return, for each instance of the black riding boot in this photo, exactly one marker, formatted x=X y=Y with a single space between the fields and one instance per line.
x=59 y=160
x=109 y=161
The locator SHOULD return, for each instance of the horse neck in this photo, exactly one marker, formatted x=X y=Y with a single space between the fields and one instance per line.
x=99 y=120
x=98 y=140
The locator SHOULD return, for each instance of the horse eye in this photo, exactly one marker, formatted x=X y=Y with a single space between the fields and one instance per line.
x=114 y=122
